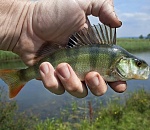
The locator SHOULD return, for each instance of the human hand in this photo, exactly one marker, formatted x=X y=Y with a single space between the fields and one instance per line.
x=54 y=79
x=53 y=21
x=64 y=78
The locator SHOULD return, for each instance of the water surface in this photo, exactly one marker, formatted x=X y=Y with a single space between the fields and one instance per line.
x=36 y=98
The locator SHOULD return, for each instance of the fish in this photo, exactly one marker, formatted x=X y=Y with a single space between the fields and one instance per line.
x=92 y=49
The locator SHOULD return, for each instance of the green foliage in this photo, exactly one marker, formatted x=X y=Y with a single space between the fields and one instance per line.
x=10 y=119
x=140 y=102
x=52 y=124
x=141 y=37
x=132 y=114
x=134 y=45
x=148 y=36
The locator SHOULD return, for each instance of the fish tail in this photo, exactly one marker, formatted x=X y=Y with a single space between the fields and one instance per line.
x=12 y=79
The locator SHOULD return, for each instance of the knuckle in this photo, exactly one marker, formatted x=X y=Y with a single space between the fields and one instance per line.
x=100 y=93
x=98 y=90
x=121 y=89
x=72 y=88
x=50 y=85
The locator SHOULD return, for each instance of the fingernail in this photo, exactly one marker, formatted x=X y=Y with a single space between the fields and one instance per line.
x=94 y=81
x=86 y=25
x=64 y=71
x=44 y=68
x=120 y=23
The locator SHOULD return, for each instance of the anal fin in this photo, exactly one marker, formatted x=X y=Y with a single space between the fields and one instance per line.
x=12 y=78
x=13 y=92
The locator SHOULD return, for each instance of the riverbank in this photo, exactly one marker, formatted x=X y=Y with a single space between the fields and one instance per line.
x=130 y=44
x=133 y=113
x=134 y=45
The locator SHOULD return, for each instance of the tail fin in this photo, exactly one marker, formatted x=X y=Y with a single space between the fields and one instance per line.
x=12 y=79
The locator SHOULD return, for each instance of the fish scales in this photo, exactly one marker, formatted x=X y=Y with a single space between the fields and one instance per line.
x=96 y=57
x=85 y=59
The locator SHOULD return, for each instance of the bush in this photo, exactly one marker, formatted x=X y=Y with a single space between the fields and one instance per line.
x=10 y=119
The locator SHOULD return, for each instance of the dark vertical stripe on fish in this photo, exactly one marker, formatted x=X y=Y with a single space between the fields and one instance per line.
x=74 y=54
x=92 y=57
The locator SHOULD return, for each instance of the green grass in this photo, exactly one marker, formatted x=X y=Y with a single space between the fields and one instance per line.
x=133 y=114
x=134 y=45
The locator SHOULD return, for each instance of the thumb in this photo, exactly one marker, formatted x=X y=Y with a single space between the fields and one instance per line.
x=108 y=16
x=104 y=9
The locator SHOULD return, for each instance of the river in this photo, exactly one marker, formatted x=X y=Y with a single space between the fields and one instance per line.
x=34 y=97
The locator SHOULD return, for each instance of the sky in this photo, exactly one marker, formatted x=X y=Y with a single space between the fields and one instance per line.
x=135 y=17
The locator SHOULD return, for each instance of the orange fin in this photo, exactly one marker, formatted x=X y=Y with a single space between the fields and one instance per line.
x=14 y=91
x=13 y=80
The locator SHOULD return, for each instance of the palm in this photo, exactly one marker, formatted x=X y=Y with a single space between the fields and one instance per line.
x=59 y=25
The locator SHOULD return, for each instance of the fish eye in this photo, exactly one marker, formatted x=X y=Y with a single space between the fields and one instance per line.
x=139 y=63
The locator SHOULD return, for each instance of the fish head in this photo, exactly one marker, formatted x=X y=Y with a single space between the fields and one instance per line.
x=132 y=68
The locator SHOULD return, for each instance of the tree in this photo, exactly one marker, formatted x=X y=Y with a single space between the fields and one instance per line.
x=148 y=36
x=141 y=37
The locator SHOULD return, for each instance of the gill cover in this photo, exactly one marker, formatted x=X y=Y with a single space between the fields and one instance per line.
x=133 y=68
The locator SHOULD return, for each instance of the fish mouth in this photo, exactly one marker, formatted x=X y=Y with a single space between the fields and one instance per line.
x=143 y=75
x=146 y=73
x=140 y=75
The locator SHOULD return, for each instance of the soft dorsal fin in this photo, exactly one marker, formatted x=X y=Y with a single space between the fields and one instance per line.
x=97 y=34
x=47 y=49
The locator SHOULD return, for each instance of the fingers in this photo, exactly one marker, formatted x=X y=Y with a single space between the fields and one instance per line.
x=98 y=86
x=108 y=16
x=70 y=80
x=104 y=9
x=61 y=79
x=64 y=78
x=119 y=86
x=96 y=83
x=50 y=79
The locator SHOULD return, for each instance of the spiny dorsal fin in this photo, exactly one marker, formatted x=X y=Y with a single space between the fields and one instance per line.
x=97 y=34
